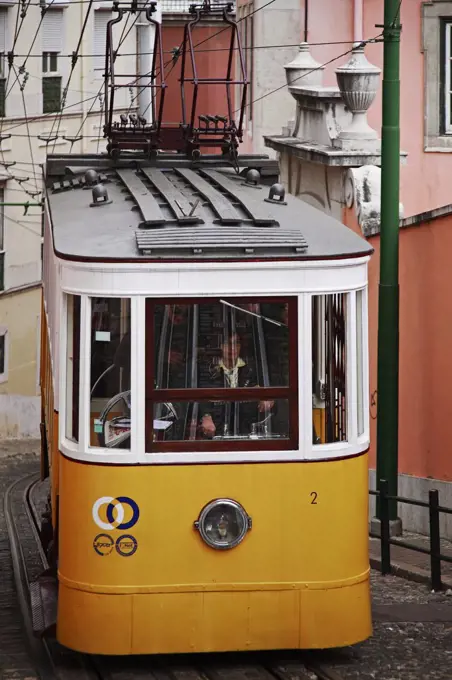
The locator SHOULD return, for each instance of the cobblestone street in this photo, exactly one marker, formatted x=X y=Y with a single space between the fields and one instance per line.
x=415 y=650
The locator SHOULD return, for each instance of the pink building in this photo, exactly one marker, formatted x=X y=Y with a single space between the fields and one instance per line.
x=330 y=159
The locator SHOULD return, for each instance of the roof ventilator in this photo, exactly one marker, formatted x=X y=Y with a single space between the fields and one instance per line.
x=100 y=196
x=253 y=178
x=91 y=179
x=276 y=195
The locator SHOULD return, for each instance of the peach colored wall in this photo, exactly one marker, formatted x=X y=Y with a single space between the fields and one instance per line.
x=425 y=179
x=425 y=344
x=211 y=62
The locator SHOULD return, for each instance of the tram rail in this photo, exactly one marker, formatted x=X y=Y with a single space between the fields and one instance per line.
x=53 y=662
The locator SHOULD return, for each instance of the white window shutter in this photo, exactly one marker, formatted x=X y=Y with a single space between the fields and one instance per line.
x=101 y=19
x=52 y=31
x=3 y=15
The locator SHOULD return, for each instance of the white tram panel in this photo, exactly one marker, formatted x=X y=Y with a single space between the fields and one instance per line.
x=124 y=237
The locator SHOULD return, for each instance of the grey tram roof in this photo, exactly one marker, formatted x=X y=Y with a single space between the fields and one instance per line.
x=174 y=210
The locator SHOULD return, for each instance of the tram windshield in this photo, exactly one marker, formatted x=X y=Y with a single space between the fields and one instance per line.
x=219 y=370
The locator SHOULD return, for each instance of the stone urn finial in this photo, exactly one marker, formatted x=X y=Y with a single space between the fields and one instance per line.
x=304 y=70
x=358 y=83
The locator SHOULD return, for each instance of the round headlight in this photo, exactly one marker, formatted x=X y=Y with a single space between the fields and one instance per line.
x=223 y=524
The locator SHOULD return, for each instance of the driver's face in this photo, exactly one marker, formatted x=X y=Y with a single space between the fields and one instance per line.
x=231 y=348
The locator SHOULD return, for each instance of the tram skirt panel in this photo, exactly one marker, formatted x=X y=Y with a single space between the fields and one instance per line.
x=136 y=577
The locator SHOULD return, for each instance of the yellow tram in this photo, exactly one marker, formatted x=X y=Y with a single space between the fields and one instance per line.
x=204 y=378
x=205 y=411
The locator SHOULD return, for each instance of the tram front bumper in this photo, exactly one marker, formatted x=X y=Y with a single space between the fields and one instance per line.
x=262 y=617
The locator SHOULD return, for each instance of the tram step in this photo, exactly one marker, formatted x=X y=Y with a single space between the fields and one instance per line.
x=44 y=598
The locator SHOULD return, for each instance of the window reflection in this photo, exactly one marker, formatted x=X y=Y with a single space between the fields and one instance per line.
x=222 y=344
x=72 y=366
x=360 y=359
x=221 y=420
x=329 y=323
x=110 y=411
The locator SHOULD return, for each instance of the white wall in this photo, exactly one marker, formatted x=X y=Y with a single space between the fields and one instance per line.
x=22 y=234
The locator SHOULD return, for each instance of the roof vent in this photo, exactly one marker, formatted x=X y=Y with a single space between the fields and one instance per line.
x=100 y=196
x=91 y=178
x=276 y=194
x=253 y=178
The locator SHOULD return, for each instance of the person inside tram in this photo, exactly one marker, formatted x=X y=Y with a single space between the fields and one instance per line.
x=231 y=371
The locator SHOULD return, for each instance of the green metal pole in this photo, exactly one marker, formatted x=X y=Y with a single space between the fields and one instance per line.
x=388 y=298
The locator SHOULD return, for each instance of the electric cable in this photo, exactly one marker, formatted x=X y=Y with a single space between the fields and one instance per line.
x=95 y=97
x=194 y=47
x=22 y=88
x=99 y=93
x=22 y=68
x=213 y=49
x=362 y=43
x=74 y=63
x=26 y=227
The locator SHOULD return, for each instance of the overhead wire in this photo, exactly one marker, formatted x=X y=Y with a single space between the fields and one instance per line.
x=213 y=49
x=74 y=63
x=22 y=67
x=174 y=60
x=95 y=97
x=375 y=39
x=22 y=13
x=99 y=93
x=22 y=87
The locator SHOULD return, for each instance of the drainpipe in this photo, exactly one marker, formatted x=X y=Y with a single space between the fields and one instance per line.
x=388 y=293
x=306 y=20
x=357 y=20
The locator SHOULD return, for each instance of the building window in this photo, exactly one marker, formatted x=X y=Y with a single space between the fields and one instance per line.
x=446 y=78
x=221 y=375
x=437 y=47
x=52 y=33
x=329 y=368
x=101 y=19
x=2 y=239
x=3 y=354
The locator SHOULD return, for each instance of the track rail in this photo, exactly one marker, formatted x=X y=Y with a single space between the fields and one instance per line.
x=38 y=648
x=52 y=662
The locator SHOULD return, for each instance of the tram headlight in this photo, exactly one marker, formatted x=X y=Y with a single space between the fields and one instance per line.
x=223 y=523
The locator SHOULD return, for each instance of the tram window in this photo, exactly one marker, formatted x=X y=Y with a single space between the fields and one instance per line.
x=360 y=359
x=72 y=366
x=226 y=344
x=221 y=420
x=110 y=412
x=329 y=370
x=221 y=369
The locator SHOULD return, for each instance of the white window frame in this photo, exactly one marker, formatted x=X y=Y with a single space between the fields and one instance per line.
x=307 y=450
x=436 y=16
x=447 y=66
x=2 y=218
x=106 y=12
x=4 y=334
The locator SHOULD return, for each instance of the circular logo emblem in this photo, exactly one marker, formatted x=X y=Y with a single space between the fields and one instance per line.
x=121 y=513
x=103 y=544
x=126 y=545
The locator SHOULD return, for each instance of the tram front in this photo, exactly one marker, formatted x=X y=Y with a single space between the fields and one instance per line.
x=213 y=419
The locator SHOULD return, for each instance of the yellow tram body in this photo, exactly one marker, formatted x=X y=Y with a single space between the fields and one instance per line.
x=178 y=595
x=135 y=572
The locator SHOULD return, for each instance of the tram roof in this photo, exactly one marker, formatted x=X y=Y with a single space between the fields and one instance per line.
x=177 y=209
